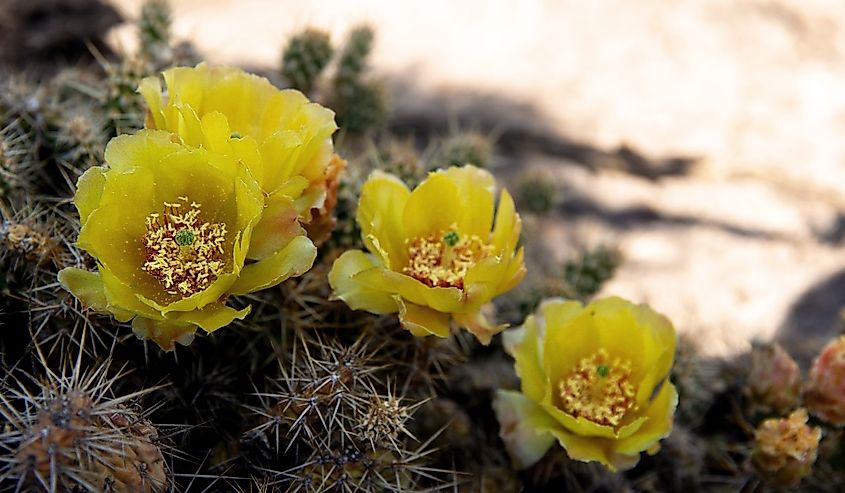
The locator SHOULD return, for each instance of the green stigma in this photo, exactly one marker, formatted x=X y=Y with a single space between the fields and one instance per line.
x=603 y=370
x=236 y=135
x=184 y=237
x=451 y=238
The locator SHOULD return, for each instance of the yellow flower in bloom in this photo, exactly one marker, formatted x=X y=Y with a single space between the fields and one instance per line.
x=595 y=378
x=785 y=449
x=825 y=392
x=171 y=229
x=436 y=253
x=282 y=138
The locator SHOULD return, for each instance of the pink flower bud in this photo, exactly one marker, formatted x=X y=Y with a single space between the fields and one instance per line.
x=826 y=386
x=775 y=379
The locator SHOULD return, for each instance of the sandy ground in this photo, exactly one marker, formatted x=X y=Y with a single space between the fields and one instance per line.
x=741 y=247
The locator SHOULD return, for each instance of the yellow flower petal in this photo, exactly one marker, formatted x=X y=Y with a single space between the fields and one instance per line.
x=568 y=330
x=86 y=286
x=433 y=206
x=483 y=280
x=283 y=150
x=281 y=132
x=508 y=224
x=215 y=133
x=355 y=294
x=475 y=188
x=147 y=146
x=123 y=299
x=514 y=274
x=89 y=191
x=164 y=333
x=150 y=89
x=589 y=449
x=422 y=321
x=211 y=317
x=658 y=424
x=380 y=215
x=524 y=345
x=112 y=233
x=278 y=226
x=447 y=300
x=293 y=260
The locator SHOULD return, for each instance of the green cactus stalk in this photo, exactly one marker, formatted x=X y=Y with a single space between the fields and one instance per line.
x=305 y=57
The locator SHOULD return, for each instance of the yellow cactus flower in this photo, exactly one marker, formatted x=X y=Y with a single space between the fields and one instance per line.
x=283 y=138
x=173 y=231
x=436 y=254
x=595 y=378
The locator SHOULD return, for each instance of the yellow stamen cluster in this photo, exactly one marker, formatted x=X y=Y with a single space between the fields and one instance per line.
x=598 y=389
x=442 y=259
x=184 y=253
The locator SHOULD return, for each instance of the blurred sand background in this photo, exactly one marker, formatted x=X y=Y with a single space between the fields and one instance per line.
x=742 y=241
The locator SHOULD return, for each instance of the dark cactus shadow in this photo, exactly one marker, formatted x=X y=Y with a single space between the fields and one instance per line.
x=814 y=318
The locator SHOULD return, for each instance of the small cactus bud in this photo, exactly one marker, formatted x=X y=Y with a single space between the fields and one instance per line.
x=775 y=379
x=785 y=449
x=465 y=148
x=825 y=394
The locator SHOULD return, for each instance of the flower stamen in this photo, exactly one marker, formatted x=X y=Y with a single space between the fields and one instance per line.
x=599 y=389
x=184 y=253
x=443 y=259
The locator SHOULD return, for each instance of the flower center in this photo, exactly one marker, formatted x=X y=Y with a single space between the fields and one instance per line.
x=183 y=252
x=598 y=389
x=442 y=259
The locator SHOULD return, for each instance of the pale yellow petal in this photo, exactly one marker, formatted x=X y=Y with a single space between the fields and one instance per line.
x=291 y=261
x=524 y=345
x=421 y=320
x=523 y=427
x=356 y=295
x=89 y=191
x=164 y=333
x=86 y=286
x=211 y=317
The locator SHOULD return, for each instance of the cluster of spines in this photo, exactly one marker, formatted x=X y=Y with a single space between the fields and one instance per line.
x=346 y=428
x=360 y=102
x=586 y=275
x=154 y=32
x=462 y=147
x=305 y=57
x=536 y=193
x=68 y=430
